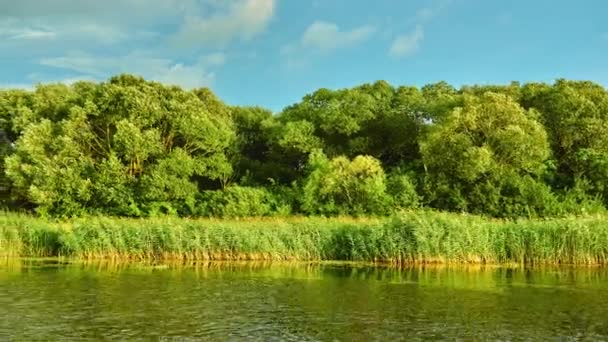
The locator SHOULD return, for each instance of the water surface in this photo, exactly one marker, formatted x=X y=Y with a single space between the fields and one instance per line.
x=50 y=300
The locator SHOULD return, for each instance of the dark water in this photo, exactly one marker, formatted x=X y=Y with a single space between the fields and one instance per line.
x=45 y=300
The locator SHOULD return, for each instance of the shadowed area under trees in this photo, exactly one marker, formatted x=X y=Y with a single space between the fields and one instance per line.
x=130 y=147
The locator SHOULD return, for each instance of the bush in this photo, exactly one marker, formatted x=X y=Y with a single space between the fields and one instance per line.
x=513 y=196
x=577 y=200
x=402 y=191
x=344 y=187
x=240 y=201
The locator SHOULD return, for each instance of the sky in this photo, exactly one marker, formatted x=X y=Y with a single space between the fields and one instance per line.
x=272 y=52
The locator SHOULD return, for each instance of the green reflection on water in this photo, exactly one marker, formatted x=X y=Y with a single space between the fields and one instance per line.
x=58 y=299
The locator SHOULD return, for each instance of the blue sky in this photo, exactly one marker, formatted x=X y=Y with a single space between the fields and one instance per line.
x=273 y=52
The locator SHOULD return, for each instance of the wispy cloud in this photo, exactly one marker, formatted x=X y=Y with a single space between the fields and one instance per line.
x=407 y=44
x=31 y=34
x=322 y=38
x=11 y=29
x=131 y=36
x=93 y=10
x=214 y=59
x=187 y=75
x=69 y=22
x=243 y=19
x=325 y=36
x=426 y=14
x=27 y=37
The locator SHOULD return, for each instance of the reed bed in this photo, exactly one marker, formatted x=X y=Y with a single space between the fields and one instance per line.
x=406 y=238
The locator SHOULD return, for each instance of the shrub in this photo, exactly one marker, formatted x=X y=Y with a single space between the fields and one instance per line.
x=402 y=191
x=240 y=201
x=345 y=187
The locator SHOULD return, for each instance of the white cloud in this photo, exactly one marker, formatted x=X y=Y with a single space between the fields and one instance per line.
x=27 y=36
x=88 y=23
x=187 y=76
x=426 y=14
x=101 y=33
x=325 y=36
x=322 y=38
x=242 y=19
x=406 y=44
x=133 y=10
x=33 y=34
x=123 y=36
x=214 y=59
x=84 y=23
x=160 y=69
x=10 y=30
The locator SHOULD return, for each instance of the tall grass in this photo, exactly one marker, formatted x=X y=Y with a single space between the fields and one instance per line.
x=414 y=237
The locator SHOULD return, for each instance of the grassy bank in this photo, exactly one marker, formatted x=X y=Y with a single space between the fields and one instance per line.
x=406 y=238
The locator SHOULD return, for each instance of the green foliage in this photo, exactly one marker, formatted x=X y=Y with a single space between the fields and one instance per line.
x=5 y=151
x=513 y=196
x=402 y=191
x=372 y=119
x=575 y=115
x=129 y=147
x=577 y=200
x=250 y=153
x=118 y=148
x=483 y=153
x=238 y=201
x=343 y=187
x=439 y=100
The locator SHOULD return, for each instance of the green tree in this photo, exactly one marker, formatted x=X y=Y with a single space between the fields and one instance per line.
x=575 y=114
x=251 y=154
x=337 y=117
x=402 y=190
x=489 y=138
x=343 y=187
x=132 y=147
x=373 y=119
x=439 y=100
x=121 y=147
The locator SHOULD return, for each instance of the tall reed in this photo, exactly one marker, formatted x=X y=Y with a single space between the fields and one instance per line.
x=410 y=237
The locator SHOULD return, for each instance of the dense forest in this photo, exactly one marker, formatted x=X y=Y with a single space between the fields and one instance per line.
x=130 y=147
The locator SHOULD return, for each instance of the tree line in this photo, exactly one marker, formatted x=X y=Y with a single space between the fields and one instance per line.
x=131 y=147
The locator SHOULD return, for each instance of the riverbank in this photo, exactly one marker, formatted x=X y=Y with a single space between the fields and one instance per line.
x=412 y=237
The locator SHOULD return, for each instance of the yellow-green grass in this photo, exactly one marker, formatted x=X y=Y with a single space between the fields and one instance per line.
x=410 y=237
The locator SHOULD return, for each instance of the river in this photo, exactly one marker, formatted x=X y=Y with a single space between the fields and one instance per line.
x=55 y=300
